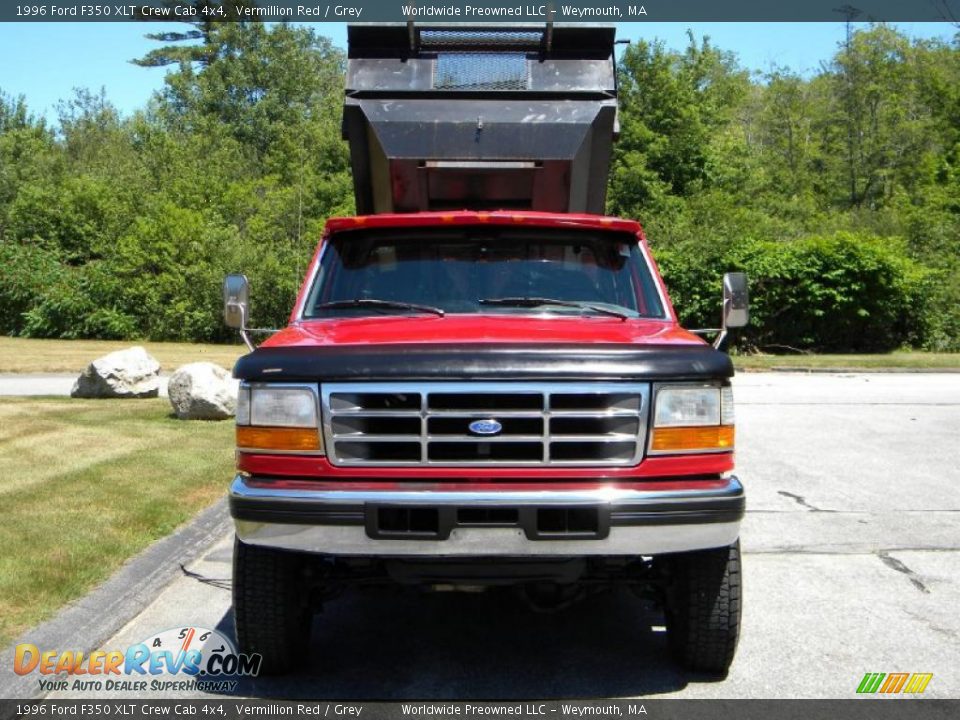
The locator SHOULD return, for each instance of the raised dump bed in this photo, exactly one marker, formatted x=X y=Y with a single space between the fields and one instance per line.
x=507 y=117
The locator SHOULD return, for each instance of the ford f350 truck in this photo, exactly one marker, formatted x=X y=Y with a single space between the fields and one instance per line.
x=483 y=381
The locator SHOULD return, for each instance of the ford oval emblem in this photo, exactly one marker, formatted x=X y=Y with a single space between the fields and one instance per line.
x=485 y=427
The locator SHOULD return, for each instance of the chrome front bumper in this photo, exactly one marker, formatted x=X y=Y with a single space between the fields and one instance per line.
x=343 y=522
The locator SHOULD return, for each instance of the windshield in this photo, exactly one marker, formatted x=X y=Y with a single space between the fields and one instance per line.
x=483 y=270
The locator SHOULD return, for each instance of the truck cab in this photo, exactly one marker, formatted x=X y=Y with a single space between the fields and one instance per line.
x=483 y=381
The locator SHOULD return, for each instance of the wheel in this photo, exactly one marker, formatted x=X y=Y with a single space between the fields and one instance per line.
x=703 y=608
x=271 y=608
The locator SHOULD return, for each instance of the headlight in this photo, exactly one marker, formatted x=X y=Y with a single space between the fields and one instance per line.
x=692 y=418
x=283 y=407
x=678 y=406
x=272 y=418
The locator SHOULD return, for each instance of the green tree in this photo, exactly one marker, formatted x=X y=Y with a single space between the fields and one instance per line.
x=115 y=226
x=884 y=119
x=206 y=18
x=672 y=105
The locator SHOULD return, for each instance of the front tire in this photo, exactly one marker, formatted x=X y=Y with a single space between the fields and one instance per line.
x=703 y=608
x=271 y=608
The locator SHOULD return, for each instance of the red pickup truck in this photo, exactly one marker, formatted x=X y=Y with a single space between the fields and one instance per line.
x=480 y=397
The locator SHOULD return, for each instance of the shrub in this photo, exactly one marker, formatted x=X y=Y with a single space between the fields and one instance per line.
x=82 y=302
x=839 y=293
x=27 y=271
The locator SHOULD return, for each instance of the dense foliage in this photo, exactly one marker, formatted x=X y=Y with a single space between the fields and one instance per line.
x=839 y=193
x=117 y=228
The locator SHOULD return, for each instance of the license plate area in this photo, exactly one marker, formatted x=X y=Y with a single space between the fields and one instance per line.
x=426 y=522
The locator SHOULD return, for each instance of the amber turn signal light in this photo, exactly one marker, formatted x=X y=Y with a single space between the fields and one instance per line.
x=278 y=438
x=686 y=439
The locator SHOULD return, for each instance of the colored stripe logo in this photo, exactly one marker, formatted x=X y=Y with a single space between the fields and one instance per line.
x=894 y=683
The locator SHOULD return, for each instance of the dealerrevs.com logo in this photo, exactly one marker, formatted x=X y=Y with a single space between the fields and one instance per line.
x=189 y=658
x=894 y=683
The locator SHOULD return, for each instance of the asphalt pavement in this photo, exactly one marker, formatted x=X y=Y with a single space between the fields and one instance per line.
x=38 y=384
x=851 y=564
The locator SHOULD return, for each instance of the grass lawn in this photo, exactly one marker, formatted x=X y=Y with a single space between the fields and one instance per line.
x=86 y=484
x=887 y=361
x=26 y=355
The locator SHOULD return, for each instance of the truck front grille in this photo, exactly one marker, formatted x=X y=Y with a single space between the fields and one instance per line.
x=531 y=424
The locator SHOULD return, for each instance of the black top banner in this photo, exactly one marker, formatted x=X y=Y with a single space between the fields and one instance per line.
x=486 y=11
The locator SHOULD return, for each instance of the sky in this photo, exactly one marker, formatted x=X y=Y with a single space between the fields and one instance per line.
x=45 y=61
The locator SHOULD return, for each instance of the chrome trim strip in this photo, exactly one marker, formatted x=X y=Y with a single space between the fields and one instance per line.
x=425 y=493
x=302 y=453
x=309 y=282
x=488 y=542
x=544 y=390
x=664 y=304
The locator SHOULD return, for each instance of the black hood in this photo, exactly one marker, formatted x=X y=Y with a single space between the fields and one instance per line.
x=484 y=362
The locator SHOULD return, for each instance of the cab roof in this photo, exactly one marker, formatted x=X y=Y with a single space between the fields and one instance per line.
x=493 y=217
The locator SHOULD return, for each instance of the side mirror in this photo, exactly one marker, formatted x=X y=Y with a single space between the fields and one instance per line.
x=236 y=305
x=236 y=301
x=736 y=301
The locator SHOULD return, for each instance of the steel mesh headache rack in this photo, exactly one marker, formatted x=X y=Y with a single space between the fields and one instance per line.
x=516 y=117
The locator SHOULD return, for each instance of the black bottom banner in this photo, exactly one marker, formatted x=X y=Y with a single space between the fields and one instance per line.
x=859 y=709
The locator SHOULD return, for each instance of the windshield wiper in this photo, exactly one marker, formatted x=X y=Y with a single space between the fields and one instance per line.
x=373 y=302
x=538 y=301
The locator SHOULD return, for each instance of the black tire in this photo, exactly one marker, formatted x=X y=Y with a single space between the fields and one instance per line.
x=271 y=608
x=703 y=608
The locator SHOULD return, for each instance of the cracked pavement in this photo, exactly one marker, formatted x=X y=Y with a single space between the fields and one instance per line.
x=851 y=564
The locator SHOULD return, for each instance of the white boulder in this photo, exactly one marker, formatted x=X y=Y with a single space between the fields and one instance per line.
x=130 y=373
x=202 y=391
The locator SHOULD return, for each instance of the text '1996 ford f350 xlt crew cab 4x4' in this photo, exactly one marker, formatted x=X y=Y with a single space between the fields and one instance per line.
x=483 y=381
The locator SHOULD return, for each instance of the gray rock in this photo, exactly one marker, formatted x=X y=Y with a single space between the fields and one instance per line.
x=202 y=391
x=130 y=373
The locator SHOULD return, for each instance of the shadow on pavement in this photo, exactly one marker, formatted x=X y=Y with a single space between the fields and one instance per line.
x=393 y=644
